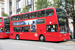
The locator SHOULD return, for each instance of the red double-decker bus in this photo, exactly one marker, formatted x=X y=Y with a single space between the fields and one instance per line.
x=50 y=24
x=4 y=27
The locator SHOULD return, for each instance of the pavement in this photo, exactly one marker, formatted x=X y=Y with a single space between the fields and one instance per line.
x=11 y=44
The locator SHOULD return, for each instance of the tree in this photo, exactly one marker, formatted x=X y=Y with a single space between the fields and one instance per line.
x=41 y=4
x=57 y=3
x=3 y=14
x=25 y=9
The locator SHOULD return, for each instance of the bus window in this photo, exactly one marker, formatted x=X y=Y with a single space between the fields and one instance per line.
x=26 y=16
x=62 y=20
x=52 y=28
x=7 y=20
x=21 y=29
x=1 y=29
x=14 y=29
x=21 y=17
x=41 y=13
x=26 y=29
x=13 y=18
x=49 y=12
x=33 y=15
x=17 y=29
x=7 y=30
x=0 y=19
x=18 y=17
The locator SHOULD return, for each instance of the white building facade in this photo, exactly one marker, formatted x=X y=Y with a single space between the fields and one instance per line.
x=13 y=7
x=1 y=7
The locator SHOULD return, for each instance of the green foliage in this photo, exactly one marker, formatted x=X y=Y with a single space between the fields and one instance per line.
x=25 y=9
x=41 y=4
x=3 y=14
x=57 y=3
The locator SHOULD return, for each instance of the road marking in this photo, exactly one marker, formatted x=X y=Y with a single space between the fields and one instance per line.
x=20 y=43
x=46 y=48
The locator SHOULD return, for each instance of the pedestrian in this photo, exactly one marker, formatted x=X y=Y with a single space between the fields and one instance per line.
x=70 y=33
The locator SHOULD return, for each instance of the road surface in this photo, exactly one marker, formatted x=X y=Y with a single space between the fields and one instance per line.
x=11 y=44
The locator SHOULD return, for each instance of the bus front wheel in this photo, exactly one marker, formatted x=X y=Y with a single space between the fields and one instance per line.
x=41 y=38
x=17 y=37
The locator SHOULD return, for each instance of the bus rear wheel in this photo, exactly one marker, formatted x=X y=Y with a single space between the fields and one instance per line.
x=17 y=37
x=41 y=38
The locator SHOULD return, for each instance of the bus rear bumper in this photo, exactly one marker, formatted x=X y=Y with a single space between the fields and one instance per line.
x=64 y=38
x=4 y=36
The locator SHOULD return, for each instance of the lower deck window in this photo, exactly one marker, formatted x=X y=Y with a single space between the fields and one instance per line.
x=26 y=29
x=52 y=28
x=21 y=29
x=7 y=30
x=17 y=29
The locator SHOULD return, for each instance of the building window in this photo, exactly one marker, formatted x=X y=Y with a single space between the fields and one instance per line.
x=2 y=9
x=30 y=10
x=28 y=2
x=2 y=4
x=17 y=5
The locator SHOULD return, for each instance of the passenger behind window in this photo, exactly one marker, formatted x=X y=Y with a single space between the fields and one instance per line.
x=21 y=29
x=26 y=16
x=49 y=28
x=26 y=30
x=39 y=14
x=33 y=15
x=50 y=13
x=1 y=30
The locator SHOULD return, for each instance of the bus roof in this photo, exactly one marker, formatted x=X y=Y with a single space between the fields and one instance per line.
x=37 y=10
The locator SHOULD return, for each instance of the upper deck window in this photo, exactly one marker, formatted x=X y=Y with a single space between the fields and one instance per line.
x=7 y=20
x=49 y=12
x=0 y=19
x=60 y=12
x=33 y=15
x=18 y=17
x=26 y=16
x=41 y=13
x=13 y=18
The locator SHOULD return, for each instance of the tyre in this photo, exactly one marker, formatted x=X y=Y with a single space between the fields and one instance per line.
x=41 y=38
x=17 y=37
